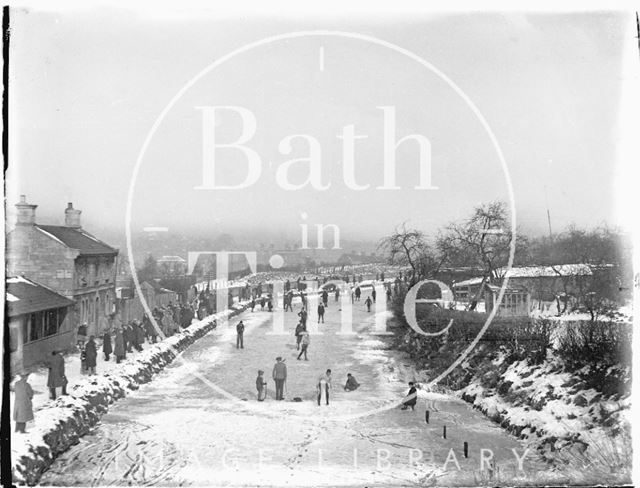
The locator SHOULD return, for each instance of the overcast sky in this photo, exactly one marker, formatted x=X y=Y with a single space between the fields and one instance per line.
x=87 y=87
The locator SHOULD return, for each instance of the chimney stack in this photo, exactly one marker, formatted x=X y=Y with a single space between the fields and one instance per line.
x=72 y=217
x=26 y=212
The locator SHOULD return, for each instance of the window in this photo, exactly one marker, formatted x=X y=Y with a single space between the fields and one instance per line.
x=39 y=325
x=36 y=326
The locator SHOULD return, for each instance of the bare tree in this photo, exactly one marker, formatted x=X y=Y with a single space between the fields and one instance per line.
x=483 y=240
x=409 y=247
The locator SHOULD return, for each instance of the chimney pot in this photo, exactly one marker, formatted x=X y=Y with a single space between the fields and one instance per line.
x=72 y=217
x=26 y=212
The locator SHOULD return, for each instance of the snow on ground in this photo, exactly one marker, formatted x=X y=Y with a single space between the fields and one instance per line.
x=199 y=422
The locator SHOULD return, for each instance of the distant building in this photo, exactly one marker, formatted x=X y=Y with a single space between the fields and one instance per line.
x=547 y=287
x=172 y=266
x=67 y=259
x=40 y=321
x=515 y=301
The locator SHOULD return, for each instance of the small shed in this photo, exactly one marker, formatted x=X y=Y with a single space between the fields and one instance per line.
x=515 y=301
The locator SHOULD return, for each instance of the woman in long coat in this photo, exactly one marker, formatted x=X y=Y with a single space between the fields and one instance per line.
x=22 y=408
x=119 y=350
x=56 y=377
x=91 y=355
x=106 y=345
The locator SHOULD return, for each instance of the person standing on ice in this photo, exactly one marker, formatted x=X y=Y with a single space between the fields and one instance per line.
x=91 y=355
x=23 y=406
x=303 y=317
x=299 y=329
x=325 y=298
x=106 y=345
x=56 y=377
x=337 y=293
x=323 y=387
x=240 y=335
x=373 y=295
x=320 y=312
x=260 y=386
x=253 y=303
x=368 y=303
x=358 y=293
x=305 y=340
x=279 y=376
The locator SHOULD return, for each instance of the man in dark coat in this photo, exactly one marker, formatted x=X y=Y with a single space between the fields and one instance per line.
x=56 y=377
x=373 y=295
x=91 y=355
x=106 y=345
x=279 y=376
x=240 y=335
x=320 y=313
x=119 y=349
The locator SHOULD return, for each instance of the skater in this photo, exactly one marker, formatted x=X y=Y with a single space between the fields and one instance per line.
x=56 y=377
x=325 y=298
x=106 y=345
x=373 y=295
x=303 y=316
x=23 y=406
x=269 y=305
x=253 y=303
x=299 y=329
x=337 y=293
x=261 y=386
x=320 y=312
x=240 y=335
x=412 y=397
x=389 y=293
x=91 y=355
x=324 y=385
x=305 y=340
x=368 y=302
x=279 y=376
x=358 y=293
x=262 y=303
x=351 y=384
x=119 y=349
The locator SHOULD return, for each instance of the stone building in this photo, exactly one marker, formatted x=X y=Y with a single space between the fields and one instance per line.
x=40 y=321
x=67 y=259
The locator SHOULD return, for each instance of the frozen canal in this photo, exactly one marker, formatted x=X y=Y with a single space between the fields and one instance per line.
x=198 y=422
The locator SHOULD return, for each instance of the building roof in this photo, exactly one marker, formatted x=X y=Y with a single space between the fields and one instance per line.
x=471 y=281
x=26 y=296
x=547 y=271
x=171 y=259
x=78 y=239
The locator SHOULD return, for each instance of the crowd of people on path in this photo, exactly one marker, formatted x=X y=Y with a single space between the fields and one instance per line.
x=118 y=340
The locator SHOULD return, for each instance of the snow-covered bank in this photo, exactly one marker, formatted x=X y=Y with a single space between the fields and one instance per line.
x=63 y=421
x=554 y=410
